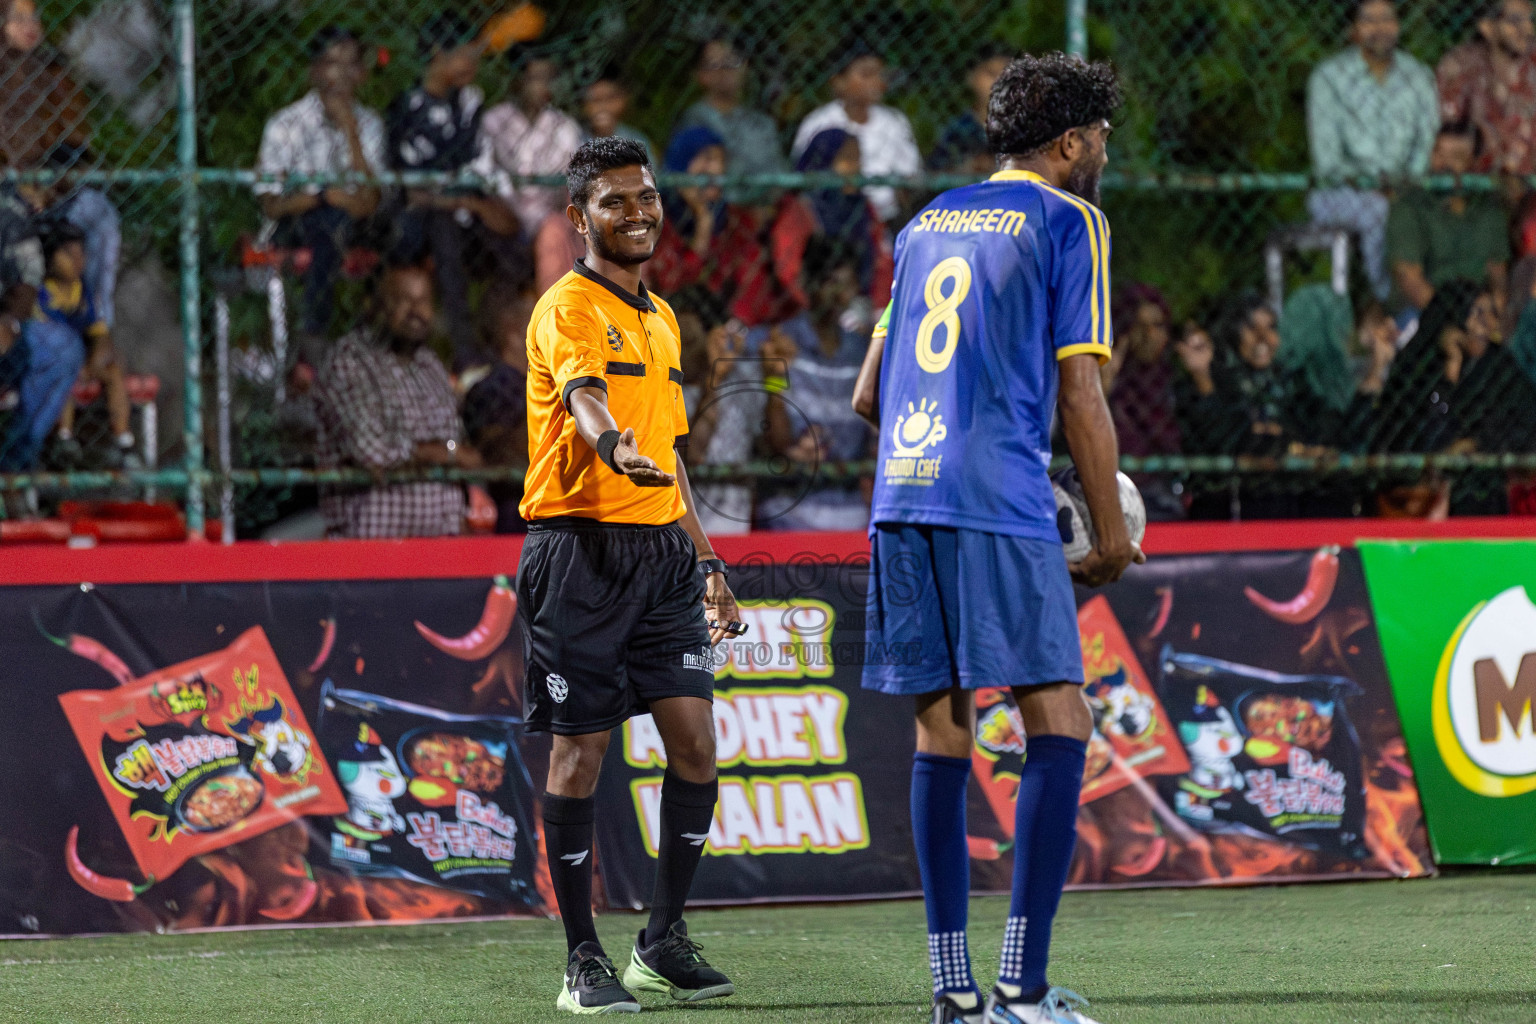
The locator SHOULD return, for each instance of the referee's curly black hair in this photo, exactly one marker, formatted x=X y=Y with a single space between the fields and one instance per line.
x=594 y=157
x=1037 y=99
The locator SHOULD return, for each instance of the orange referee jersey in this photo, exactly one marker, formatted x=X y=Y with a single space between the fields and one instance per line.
x=588 y=332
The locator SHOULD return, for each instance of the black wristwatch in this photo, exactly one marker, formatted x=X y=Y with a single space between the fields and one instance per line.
x=709 y=566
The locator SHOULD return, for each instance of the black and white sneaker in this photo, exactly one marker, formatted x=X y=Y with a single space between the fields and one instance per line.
x=592 y=985
x=947 y=1011
x=676 y=966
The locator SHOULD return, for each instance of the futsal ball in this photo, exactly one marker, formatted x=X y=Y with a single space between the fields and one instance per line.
x=1073 y=521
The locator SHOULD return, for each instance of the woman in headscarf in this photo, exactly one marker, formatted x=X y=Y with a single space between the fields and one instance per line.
x=1315 y=327
x=1241 y=403
x=1455 y=388
x=709 y=242
x=841 y=214
x=1413 y=414
x=1140 y=388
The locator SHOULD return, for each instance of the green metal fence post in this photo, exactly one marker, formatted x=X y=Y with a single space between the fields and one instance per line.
x=191 y=275
x=1077 y=27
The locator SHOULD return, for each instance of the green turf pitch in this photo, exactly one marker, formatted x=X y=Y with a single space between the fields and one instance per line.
x=1456 y=949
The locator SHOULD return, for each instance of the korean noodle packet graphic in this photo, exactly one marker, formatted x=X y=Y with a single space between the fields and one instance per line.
x=433 y=796
x=202 y=755
x=1270 y=754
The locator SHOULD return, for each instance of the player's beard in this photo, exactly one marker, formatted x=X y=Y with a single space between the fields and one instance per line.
x=601 y=250
x=1083 y=180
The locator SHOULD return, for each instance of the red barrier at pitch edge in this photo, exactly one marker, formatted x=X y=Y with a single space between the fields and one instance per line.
x=484 y=556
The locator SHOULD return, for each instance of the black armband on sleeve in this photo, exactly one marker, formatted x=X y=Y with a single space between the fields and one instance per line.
x=605 y=446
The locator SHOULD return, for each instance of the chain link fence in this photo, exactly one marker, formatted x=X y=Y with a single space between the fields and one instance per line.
x=1270 y=360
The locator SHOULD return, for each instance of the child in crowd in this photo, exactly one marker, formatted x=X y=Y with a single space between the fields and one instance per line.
x=66 y=300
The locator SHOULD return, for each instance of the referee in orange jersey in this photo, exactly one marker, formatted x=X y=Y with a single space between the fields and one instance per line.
x=622 y=592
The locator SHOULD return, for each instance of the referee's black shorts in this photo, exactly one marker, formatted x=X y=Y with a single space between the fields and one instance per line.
x=615 y=616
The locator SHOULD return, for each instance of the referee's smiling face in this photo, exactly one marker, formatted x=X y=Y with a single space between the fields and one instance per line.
x=623 y=216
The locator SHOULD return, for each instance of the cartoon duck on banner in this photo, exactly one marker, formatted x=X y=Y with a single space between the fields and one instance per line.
x=372 y=779
x=1211 y=739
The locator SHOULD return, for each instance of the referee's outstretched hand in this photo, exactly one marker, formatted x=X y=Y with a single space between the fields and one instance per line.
x=642 y=472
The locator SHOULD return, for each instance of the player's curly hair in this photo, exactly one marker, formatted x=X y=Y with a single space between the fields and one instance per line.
x=594 y=157
x=1037 y=99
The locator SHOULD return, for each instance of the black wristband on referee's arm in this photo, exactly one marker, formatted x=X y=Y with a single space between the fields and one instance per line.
x=710 y=566
x=605 y=446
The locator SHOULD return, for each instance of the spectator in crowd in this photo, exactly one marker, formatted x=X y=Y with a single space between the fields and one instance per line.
x=529 y=136
x=724 y=389
x=1334 y=386
x=886 y=144
x=88 y=209
x=435 y=126
x=44 y=123
x=1434 y=237
x=496 y=408
x=751 y=137
x=708 y=241
x=326 y=132
x=383 y=402
x=1371 y=113
x=65 y=303
x=962 y=145
x=39 y=395
x=1140 y=387
x=843 y=215
x=40 y=105
x=1490 y=82
x=1455 y=388
x=604 y=103
x=810 y=415
x=1238 y=403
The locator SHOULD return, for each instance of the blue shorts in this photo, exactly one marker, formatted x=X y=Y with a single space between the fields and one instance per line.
x=950 y=606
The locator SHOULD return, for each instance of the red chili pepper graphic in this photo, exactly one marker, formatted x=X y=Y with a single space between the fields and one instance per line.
x=495 y=624
x=119 y=890
x=91 y=650
x=1146 y=862
x=303 y=897
x=1314 y=597
x=326 y=643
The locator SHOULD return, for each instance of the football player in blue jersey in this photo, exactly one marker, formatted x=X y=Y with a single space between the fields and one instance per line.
x=999 y=318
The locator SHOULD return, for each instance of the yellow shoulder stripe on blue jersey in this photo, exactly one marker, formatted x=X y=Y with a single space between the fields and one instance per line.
x=1098 y=250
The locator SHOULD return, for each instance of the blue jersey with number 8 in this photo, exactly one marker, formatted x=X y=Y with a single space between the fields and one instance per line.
x=995 y=282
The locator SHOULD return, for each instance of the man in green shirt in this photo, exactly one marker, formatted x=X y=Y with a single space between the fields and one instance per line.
x=1372 y=112
x=1434 y=238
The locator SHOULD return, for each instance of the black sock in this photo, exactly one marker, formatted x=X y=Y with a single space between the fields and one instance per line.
x=687 y=811
x=568 y=842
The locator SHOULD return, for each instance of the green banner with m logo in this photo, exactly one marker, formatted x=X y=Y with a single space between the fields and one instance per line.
x=1457 y=621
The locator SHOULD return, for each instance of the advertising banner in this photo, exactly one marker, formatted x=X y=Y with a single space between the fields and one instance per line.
x=1458 y=628
x=240 y=754
x=228 y=754
x=1244 y=731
